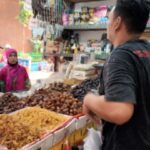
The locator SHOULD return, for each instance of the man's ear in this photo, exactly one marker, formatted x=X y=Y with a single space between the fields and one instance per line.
x=118 y=22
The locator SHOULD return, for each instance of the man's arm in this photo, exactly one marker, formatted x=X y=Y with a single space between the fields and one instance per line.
x=114 y=112
x=120 y=86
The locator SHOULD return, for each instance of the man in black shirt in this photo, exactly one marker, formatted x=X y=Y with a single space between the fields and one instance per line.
x=124 y=101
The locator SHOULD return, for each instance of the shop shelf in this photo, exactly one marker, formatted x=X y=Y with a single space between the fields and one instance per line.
x=86 y=27
x=90 y=27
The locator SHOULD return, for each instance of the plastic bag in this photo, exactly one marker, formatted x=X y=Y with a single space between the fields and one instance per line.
x=93 y=141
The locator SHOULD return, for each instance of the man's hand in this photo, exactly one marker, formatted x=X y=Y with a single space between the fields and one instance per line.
x=87 y=111
x=111 y=111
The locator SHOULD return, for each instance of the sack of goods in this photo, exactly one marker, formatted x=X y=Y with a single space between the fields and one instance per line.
x=83 y=71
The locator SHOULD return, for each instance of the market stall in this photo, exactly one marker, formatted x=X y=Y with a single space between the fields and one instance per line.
x=47 y=119
x=68 y=37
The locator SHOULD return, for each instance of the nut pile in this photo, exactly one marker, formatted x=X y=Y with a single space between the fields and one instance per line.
x=14 y=134
x=10 y=103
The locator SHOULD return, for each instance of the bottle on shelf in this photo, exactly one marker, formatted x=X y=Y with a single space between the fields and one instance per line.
x=75 y=55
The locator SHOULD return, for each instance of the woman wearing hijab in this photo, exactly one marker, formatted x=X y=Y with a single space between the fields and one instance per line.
x=13 y=77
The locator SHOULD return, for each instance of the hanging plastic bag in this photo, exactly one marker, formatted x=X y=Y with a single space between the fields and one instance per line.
x=93 y=141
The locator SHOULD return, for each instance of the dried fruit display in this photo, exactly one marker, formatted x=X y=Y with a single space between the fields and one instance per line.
x=10 y=103
x=61 y=102
x=55 y=97
x=59 y=86
x=26 y=126
x=40 y=118
x=14 y=134
x=86 y=86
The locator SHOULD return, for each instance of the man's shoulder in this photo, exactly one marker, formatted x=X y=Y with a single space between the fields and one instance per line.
x=126 y=50
x=134 y=45
x=119 y=55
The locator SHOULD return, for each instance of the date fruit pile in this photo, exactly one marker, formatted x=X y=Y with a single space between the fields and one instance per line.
x=56 y=97
x=61 y=102
x=10 y=103
x=86 y=86
x=58 y=86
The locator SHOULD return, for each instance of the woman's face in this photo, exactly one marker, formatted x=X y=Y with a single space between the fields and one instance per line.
x=12 y=59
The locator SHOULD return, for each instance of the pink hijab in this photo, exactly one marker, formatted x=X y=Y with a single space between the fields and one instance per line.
x=7 y=54
x=14 y=77
x=10 y=51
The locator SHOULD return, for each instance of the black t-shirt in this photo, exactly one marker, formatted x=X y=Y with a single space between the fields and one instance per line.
x=126 y=78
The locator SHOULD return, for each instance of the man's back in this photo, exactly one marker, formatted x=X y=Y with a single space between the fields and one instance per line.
x=126 y=78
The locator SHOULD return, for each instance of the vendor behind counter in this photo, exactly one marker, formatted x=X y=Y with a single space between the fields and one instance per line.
x=13 y=77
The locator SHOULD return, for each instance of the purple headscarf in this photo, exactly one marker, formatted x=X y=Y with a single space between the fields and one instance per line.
x=10 y=51
x=15 y=77
x=12 y=71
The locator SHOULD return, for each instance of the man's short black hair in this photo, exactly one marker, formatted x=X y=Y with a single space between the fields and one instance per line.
x=135 y=14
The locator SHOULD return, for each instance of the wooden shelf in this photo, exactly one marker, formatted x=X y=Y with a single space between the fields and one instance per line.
x=92 y=27
x=86 y=27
